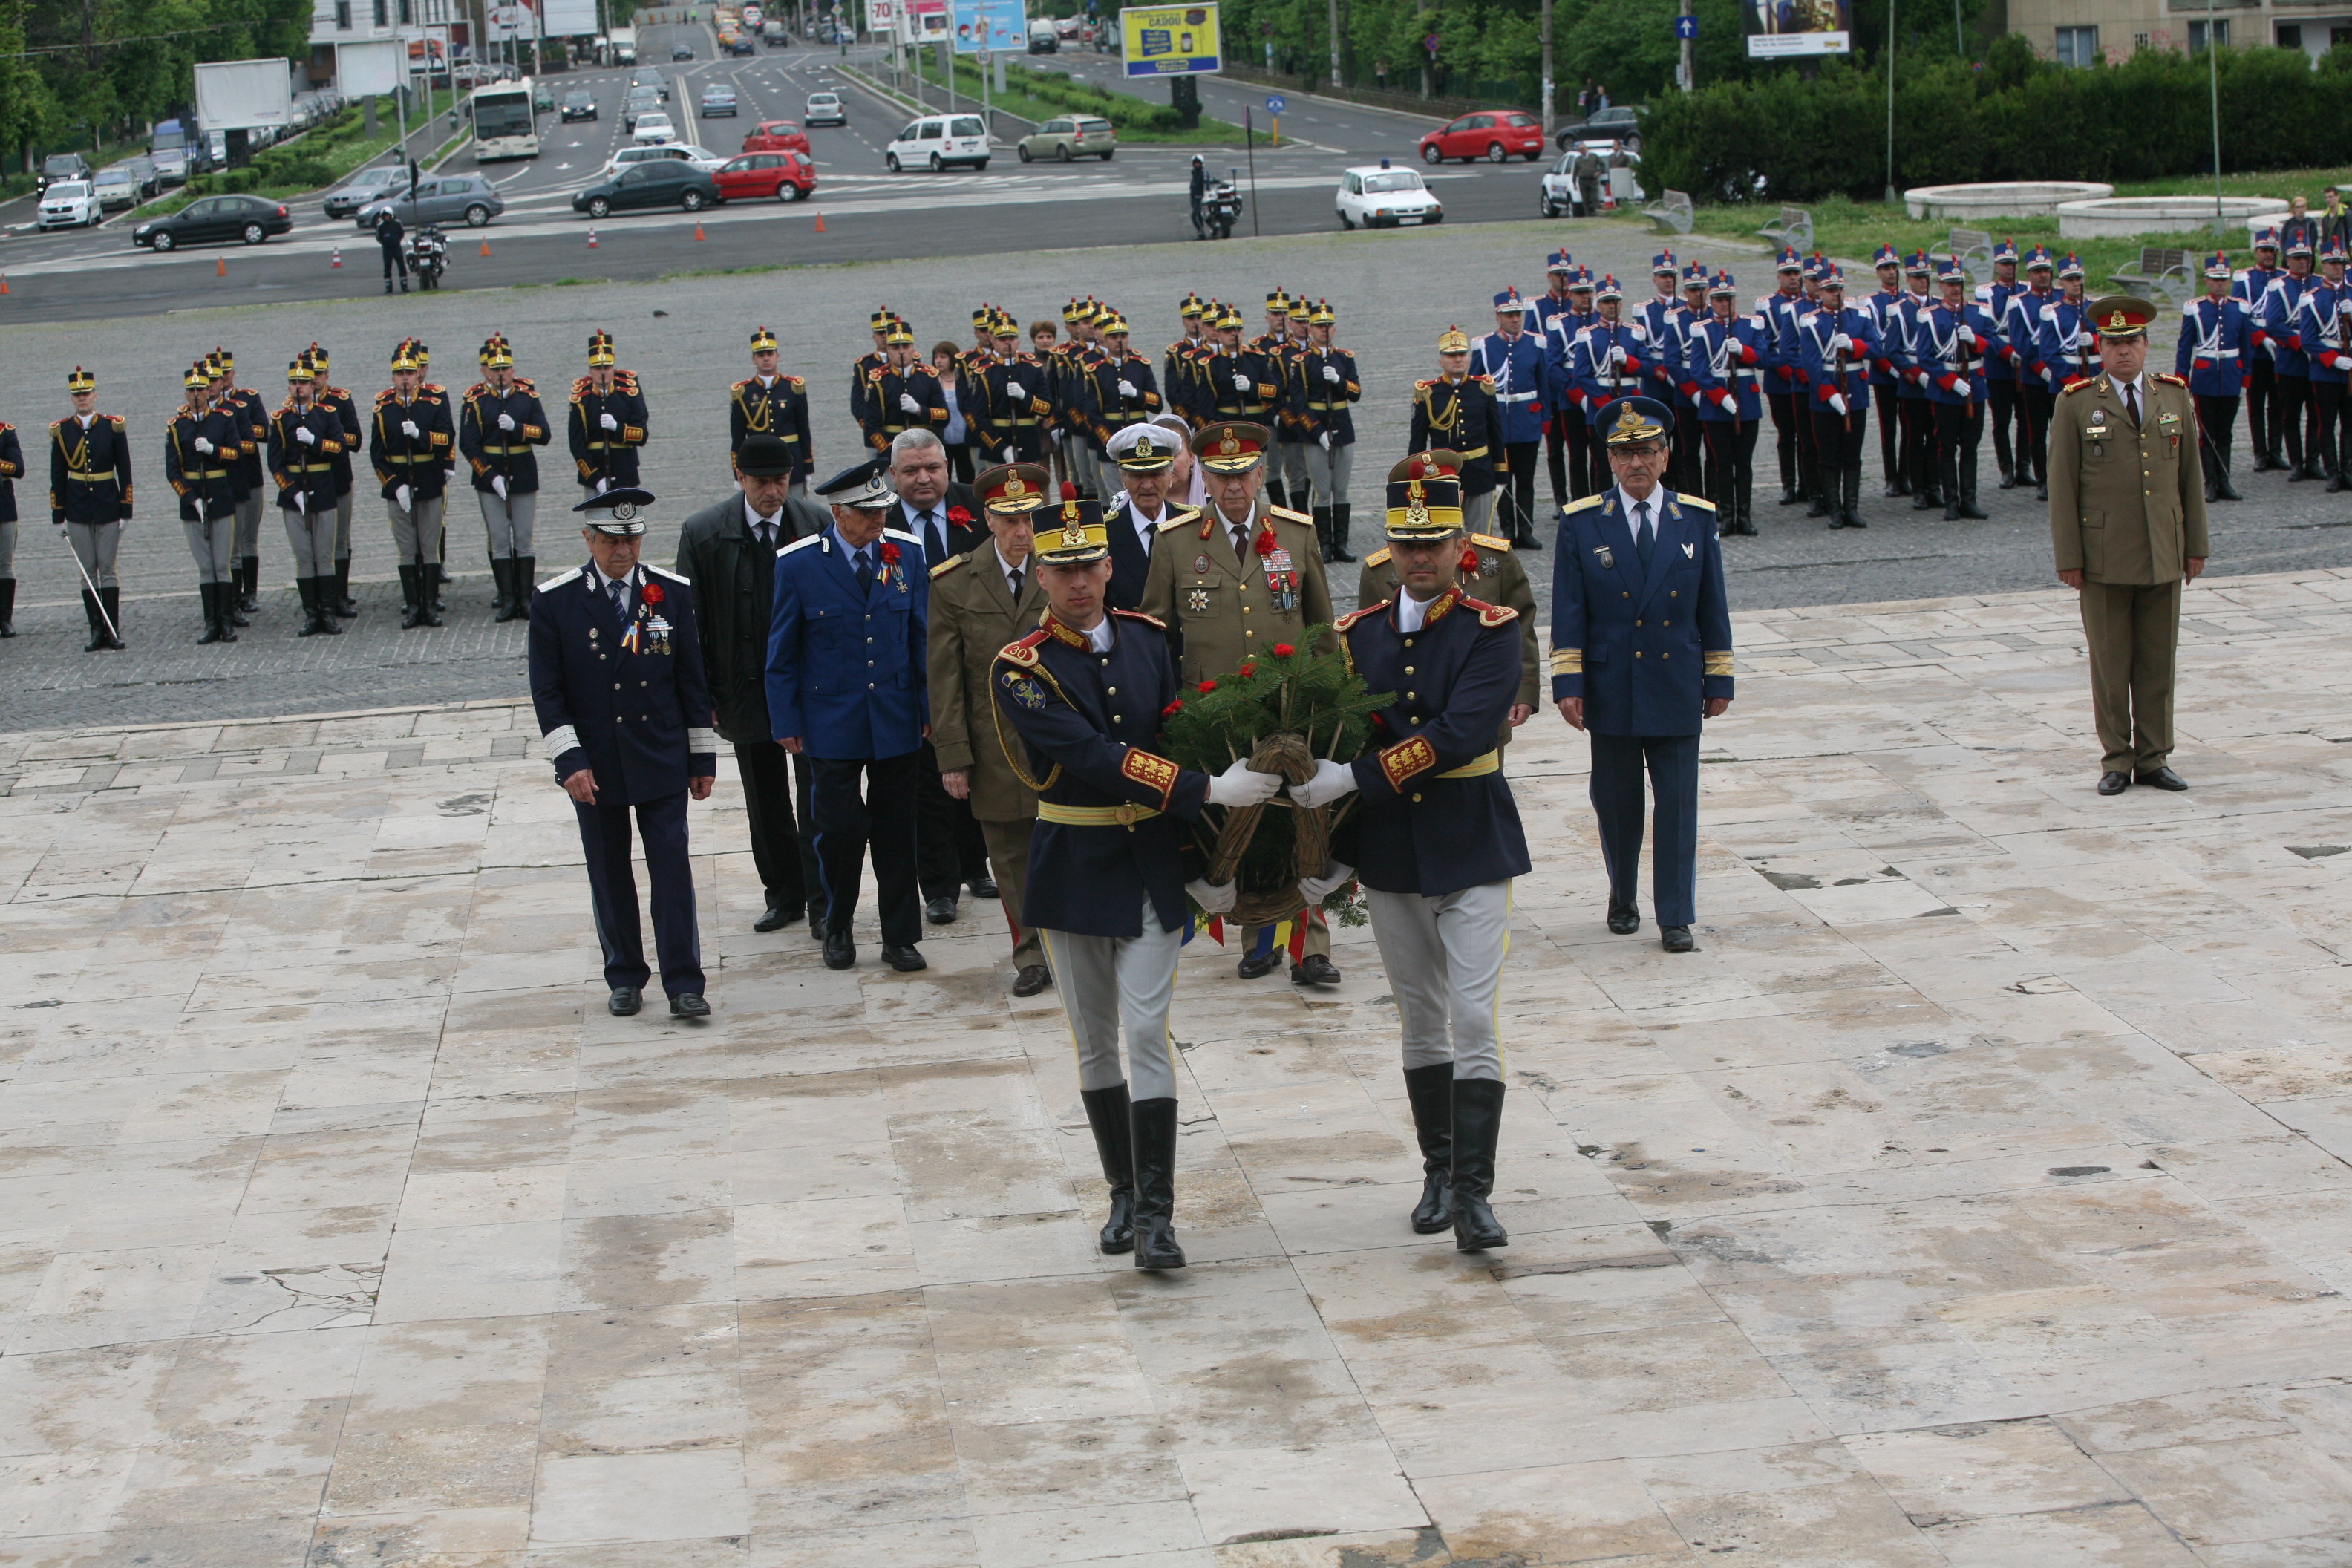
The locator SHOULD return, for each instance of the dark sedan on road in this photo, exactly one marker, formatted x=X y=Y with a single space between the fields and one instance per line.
x=579 y=106
x=367 y=185
x=215 y=220
x=668 y=183
x=1619 y=122
x=715 y=101
x=680 y=52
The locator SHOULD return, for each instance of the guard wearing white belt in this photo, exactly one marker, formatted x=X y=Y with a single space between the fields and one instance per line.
x=1077 y=702
x=1436 y=841
x=304 y=435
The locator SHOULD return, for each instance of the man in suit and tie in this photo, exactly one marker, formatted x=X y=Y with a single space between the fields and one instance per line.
x=1146 y=455
x=728 y=551
x=616 y=684
x=1641 y=638
x=847 y=653
x=981 y=601
x=951 y=853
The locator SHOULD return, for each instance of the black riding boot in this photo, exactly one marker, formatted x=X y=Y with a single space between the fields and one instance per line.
x=526 y=567
x=343 y=604
x=1154 y=1125
x=1852 y=490
x=1322 y=515
x=1967 y=507
x=1430 y=1092
x=249 y=578
x=412 y=599
x=1477 y=1124
x=92 y=612
x=434 y=575
x=1339 y=534
x=308 y=593
x=9 y=606
x=110 y=600
x=1108 y=1114
x=502 y=591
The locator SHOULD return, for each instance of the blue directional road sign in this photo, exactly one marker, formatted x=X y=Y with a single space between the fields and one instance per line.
x=1276 y=104
x=1686 y=27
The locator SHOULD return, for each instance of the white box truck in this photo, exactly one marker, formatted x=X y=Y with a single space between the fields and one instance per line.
x=625 y=46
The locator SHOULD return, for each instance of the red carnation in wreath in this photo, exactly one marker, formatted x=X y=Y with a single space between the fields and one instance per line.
x=654 y=594
x=1283 y=650
x=1248 y=670
x=1207 y=686
x=1171 y=708
x=958 y=514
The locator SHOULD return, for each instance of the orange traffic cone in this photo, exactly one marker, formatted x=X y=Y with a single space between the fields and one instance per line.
x=338 y=257
x=697 y=231
x=3 y=282
x=485 y=247
x=820 y=223
x=220 y=265
x=592 y=240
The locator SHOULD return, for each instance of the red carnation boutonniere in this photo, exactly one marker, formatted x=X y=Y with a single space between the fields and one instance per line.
x=654 y=594
x=1264 y=543
x=1283 y=650
x=1248 y=670
x=956 y=514
x=889 y=552
x=1208 y=686
x=1170 y=710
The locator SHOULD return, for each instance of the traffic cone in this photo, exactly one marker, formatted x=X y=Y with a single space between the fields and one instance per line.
x=820 y=223
x=591 y=238
x=220 y=265
x=3 y=282
x=338 y=257
x=485 y=247
x=697 y=231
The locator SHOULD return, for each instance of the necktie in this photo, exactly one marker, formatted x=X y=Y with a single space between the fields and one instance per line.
x=2131 y=405
x=1643 y=539
x=935 y=537
x=1241 y=545
x=621 y=600
x=767 y=532
x=864 y=573
x=1012 y=580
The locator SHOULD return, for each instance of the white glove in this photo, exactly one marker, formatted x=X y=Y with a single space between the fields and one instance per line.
x=1239 y=786
x=606 y=420
x=1837 y=404
x=1842 y=344
x=299 y=499
x=1331 y=373
x=450 y=474
x=1127 y=389
x=1331 y=781
x=1015 y=391
x=604 y=485
x=1215 y=900
x=408 y=428
x=1333 y=877
x=906 y=401
x=1242 y=382
x=400 y=498
x=1006 y=455
x=499 y=486
x=1616 y=353
x=1326 y=440
x=201 y=444
x=303 y=434
x=506 y=422
x=1057 y=436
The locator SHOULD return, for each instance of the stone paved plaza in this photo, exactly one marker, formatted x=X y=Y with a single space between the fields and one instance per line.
x=1978 y=1195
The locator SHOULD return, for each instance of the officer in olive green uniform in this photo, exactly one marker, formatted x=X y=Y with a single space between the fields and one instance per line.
x=981 y=601
x=1232 y=580
x=1489 y=571
x=2127 y=527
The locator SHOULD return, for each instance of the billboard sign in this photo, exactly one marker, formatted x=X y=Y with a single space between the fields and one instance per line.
x=923 y=21
x=367 y=69
x=1778 y=29
x=983 y=25
x=1170 y=40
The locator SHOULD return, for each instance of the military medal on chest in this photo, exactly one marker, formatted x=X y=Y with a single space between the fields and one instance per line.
x=1281 y=571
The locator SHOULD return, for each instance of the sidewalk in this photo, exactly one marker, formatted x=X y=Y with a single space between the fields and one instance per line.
x=1977 y=1195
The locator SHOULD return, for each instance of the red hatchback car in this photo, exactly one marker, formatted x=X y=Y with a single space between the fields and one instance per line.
x=776 y=136
x=754 y=176
x=1492 y=134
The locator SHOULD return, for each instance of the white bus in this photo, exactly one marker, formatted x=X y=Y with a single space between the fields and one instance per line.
x=505 y=124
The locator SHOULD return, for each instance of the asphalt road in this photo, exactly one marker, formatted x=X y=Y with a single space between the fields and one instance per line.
x=869 y=213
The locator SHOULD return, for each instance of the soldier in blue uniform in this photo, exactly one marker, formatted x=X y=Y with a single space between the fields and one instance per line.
x=1456 y=410
x=1556 y=317
x=1922 y=458
x=1323 y=382
x=1641 y=638
x=1727 y=352
x=1792 y=429
x=2322 y=334
x=644 y=745
x=2249 y=289
x=1951 y=343
x=1512 y=361
x=1607 y=361
x=2001 y=369
x=1078 y=705
x=199 y=445
x=89 y=498
x=766 y=403
x=304 y=436
x=1690 y=452
x=2021 y=348
x=2281 y=304
x=347 y=410
x=607 y=422
x=2215 y=357
x=499 y=423
x=1435 y=842
x=1881 y=305
x=1836 y=346
x=411 y=441
x=847 y=656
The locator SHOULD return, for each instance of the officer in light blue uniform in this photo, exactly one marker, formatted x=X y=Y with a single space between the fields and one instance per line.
x=1640 y=636
x=1728 y=354
x=2001 y=369
x=1513 y=359
x=2322 y=334
x=616 y=683
x=2251 y=288
x=2215 y=357
x=1922 y=454
x=1951 y=343
x=1882 y=306
x=1836 y=345
x=1606 y=363
x=847 y=652
x=1566 y=448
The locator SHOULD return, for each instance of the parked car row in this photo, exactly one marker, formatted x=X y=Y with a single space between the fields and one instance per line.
x=671 y=179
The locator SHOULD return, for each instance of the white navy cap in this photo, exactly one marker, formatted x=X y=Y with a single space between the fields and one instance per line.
x=620 y=510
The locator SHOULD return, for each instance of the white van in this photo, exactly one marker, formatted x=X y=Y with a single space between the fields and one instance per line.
x=937 y=143
x=1045 y=38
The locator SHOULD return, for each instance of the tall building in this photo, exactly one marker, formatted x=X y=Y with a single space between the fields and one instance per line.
x=2077 y=32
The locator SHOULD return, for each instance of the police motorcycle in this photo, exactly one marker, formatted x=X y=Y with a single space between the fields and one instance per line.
x=1221 y=208
x=428 y=254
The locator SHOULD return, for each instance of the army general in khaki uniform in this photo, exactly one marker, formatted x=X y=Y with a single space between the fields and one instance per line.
x=2127 y=527
x=1232 y=580
x=981 y=601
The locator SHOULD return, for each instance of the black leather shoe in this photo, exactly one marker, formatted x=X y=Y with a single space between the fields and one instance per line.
x=1676 y=939
x=1033 y=978
x=939 y=911
x=2160 y=778
x=816 y=922
x=688 y=1005
x=623 y=1001
x=776 y=918
x=1314 y=970
x=840 y=952
x=1258 y=963
x=2114 y=783
x=982 y=887
x=905 y=960
x=1624 y=922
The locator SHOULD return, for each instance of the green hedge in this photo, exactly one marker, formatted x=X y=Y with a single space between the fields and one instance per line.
x=1784 y=139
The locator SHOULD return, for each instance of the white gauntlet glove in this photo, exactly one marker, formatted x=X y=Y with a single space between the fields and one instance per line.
x=1015 y=391
x=1127 y=389
x=408 y=428
x=1215 y=900
x=1242 y=382
x=1837 y=404
x=606 y=420
x=1237 y=785
x=604 y=485
x=906 y=402
x=499 y=486
x=1333 y=877
x=1331 y=781
x=201 y=444
x=1842 y=344
x=1326 y=440
x=299 y=499
x=400 y=498
x=303 y=434
x=1331 y=375
x=506 y=422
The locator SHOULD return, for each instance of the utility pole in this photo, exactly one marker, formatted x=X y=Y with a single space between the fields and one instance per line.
x=1421 y=31
x=1335 y=48
x=1690 y=50
x=1547 y=99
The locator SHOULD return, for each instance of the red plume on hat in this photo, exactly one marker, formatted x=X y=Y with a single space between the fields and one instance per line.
x=1070 y=490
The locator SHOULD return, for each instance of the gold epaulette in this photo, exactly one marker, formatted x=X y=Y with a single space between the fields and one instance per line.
x=476 y=390
x=579 y=389
x=742 y=384
x=1424 y=386
x=114 y=419
x=1139 y=615
x=1488 y=542
x=1586 y=504
x=944 y=567
x=877 y=372
x=2173 y=379
x=1487 y=379
x=1287 y=515
x=1024 y=652
x=525 y=383
x=1180 y=520
x=1693 y=501
x=1353 y=617
x=1490 y=615
x=2078 y=386
x=1375 y=558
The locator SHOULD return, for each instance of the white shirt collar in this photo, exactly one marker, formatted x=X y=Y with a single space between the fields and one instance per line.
x=1004 y=567
x=2137 y=391
x=1411 y=614
x=751 y=518
x=1656 y=502
x=1146 y=526
x=605 y=580
x=1099 y=638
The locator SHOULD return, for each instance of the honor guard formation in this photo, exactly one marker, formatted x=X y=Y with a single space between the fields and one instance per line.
x=952 y=660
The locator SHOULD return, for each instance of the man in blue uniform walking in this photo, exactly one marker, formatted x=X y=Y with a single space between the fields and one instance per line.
x=1640 y=637
x=1514 y=361
x=644 y=744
